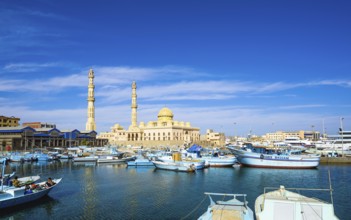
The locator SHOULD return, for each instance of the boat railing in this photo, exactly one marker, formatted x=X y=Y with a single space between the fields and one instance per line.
x=282 y=189
x=237 y=203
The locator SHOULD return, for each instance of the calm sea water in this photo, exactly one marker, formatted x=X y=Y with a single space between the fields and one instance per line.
x=116 y=191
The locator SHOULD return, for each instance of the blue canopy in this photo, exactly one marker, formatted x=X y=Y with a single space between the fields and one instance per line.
x=195 y=148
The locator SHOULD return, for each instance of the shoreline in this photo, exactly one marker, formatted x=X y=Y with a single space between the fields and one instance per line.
x=335 y=160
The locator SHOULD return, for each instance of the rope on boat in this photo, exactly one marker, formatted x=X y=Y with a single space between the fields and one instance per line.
x=309 y=205
x=194 y=208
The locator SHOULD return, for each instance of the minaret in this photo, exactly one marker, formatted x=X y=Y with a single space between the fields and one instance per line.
x=134 y=105
x=90 y=125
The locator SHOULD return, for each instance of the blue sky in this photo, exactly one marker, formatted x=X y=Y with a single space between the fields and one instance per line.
x=229 y=65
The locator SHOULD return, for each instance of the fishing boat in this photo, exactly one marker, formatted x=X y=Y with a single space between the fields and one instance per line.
x=273 y=157
x=86 y=159
x=172 y=157
x=28 y=180
x=7 y=177
x=174 y=166
x=16 y=196
x=140 y=161
x=230 y=209
x=282 y=203
x=109 y=159
x=212 y=159
x=220 y=161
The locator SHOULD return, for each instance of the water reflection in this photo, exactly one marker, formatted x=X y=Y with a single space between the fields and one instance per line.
x=92 y=191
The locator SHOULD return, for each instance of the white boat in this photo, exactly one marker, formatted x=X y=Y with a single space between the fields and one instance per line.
x=15 y=196
x=140 y=161
x=198 y=163
x=109 y=159
x=285 y=204
x=15 y=157
x=86 y=159
x=264 y=156
x=43 y=157
x=174 y=166
x=220 y=161
x=22 y=181
x=28 y=180
x=230 y=209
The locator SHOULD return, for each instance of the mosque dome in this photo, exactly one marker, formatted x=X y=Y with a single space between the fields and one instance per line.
x=165 y=114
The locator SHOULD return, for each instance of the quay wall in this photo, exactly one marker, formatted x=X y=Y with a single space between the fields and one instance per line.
x=335 y=160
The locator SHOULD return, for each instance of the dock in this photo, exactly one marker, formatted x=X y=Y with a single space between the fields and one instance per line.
x=336 y=160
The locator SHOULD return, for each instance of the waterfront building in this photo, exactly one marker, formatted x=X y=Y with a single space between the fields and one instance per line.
x=26 y=138
x=90 y=125
x=38 y=125
x=300 y=135
x=165 y=131
x=213 y=139
x=9 y=121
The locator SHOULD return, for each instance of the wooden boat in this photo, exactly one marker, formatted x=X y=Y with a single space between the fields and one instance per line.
x=230 y=209
x=284 y=204
x=174 y=166
x=16 y=196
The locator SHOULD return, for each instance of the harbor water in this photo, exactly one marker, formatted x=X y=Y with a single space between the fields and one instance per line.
x=93 y=191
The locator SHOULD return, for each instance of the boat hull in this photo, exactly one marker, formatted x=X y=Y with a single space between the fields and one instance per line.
x=220 y=161
x=85 y=159
x=276 y=161
x=140 y=162
x=281 y=203
x=230 y=209
x=16 y=196
x=176 y=166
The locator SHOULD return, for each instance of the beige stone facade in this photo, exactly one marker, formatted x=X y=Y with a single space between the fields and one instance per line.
x=91 y=125
x=302 y=135
x=9 y=121
x=213 y=139
x=165 y=131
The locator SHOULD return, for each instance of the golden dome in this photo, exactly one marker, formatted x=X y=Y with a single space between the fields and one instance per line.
x=165 y=114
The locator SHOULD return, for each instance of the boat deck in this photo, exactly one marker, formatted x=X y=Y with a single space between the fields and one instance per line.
x=234 y=212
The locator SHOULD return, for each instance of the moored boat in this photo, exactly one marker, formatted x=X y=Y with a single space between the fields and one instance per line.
x=174 y=166
x=17 y=196
x=282 y=203
x=230 y=209
x=263 y=156
x=86 y=159
x=175 y=157
x=140 y=161
x=220 y=161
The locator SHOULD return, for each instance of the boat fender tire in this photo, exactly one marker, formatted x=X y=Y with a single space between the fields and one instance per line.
x=261 y=156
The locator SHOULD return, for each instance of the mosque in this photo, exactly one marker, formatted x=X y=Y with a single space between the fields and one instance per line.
x=163 y=132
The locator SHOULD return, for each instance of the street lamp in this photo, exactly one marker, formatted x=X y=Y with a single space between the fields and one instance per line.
x=234 y=130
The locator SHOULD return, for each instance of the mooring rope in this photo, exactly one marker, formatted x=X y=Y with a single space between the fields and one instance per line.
x=194 y=208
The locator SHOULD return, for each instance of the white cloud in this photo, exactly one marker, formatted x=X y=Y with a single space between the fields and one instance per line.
x=27 y=67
